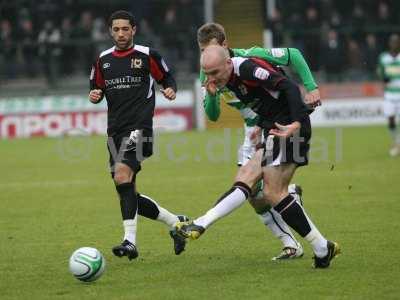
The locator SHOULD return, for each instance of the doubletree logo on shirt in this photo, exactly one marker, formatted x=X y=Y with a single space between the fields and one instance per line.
x=124 y=82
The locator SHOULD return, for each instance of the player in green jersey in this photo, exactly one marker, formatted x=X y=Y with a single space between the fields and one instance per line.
x=389 y=71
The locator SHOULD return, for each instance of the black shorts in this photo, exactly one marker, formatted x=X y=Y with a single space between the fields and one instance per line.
x=130 y=148
x=295 y=149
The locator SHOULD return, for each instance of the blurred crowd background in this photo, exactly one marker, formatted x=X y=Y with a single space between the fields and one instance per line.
x=52 y=41
x=61 y=38
x=341 y=39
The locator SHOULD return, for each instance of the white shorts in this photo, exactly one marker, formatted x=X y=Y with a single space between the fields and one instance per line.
x=391 y=108
x=247 y=149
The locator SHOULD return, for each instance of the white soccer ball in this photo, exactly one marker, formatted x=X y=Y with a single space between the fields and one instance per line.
x=87 y=264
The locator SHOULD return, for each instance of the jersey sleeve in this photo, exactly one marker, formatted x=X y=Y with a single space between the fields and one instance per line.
x=96 y=79
x=290 y=57
x=96 y=76
x=160 y=71
x=277 y=56
x=300 y=66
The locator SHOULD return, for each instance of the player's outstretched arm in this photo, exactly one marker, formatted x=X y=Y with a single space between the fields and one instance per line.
x=300 y=66
x=285 y=131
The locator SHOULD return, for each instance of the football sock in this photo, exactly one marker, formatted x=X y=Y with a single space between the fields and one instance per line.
x=149 y=208
x=294 y=215
x=229 y=201
x=128 y=200
x=279 y=228
x=130 y=230
x=128 y=203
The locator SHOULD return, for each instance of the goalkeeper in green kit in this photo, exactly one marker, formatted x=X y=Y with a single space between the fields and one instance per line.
x=214 y=34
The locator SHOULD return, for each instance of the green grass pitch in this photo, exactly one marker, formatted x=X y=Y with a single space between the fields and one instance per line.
x=56 y=195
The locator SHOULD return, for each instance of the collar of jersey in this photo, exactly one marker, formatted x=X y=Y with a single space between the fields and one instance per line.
x=123 y=53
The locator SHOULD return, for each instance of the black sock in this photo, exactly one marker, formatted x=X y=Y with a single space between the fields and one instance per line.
x=293 y=215
x=237 y=185
x=128 y=200
x=147 y=208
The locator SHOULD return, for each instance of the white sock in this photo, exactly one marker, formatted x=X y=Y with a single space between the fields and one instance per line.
x=279 y=228
x=130 y=230
x=164 y=215
x=167 y=217
x=316 y=239
x=228 y=204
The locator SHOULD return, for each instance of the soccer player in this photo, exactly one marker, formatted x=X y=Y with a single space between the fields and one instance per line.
x=284 y=118
x=125 y=75
x=214 y=34
x=389 y=71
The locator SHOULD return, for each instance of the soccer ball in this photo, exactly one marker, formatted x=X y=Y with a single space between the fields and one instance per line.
x=87 y=264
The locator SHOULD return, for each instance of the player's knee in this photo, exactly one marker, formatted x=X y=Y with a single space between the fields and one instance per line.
x=247 y=175
x=122 y=176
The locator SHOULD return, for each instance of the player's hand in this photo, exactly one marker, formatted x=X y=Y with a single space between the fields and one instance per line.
x=313 y=98
x=285 y=131
x=169 y=93
x=211 y=87
x=95 y=95
x=255 y=136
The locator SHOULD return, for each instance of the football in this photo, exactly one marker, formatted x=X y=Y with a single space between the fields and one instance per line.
x=87 y=264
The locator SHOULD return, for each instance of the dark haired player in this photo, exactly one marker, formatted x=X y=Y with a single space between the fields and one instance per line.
x=125 y=75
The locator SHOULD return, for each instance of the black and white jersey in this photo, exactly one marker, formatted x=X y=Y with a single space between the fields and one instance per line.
x=264 y=89
x=127 y=81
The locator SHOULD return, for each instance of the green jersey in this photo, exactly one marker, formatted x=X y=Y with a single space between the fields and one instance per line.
x=389 y=70
x=277 y=56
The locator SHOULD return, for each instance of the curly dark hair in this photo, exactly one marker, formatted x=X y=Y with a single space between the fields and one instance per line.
x=122 y=14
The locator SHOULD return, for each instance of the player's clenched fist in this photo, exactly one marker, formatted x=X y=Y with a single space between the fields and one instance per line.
x=211 y=87
x=169 y=93
x=95 y=95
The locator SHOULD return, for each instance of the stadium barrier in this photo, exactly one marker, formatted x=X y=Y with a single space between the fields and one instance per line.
x=352 y=104
x=54 y=116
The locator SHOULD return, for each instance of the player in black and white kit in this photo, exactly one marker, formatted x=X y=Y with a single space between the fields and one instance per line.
x=125 y=75
x=284 y=118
